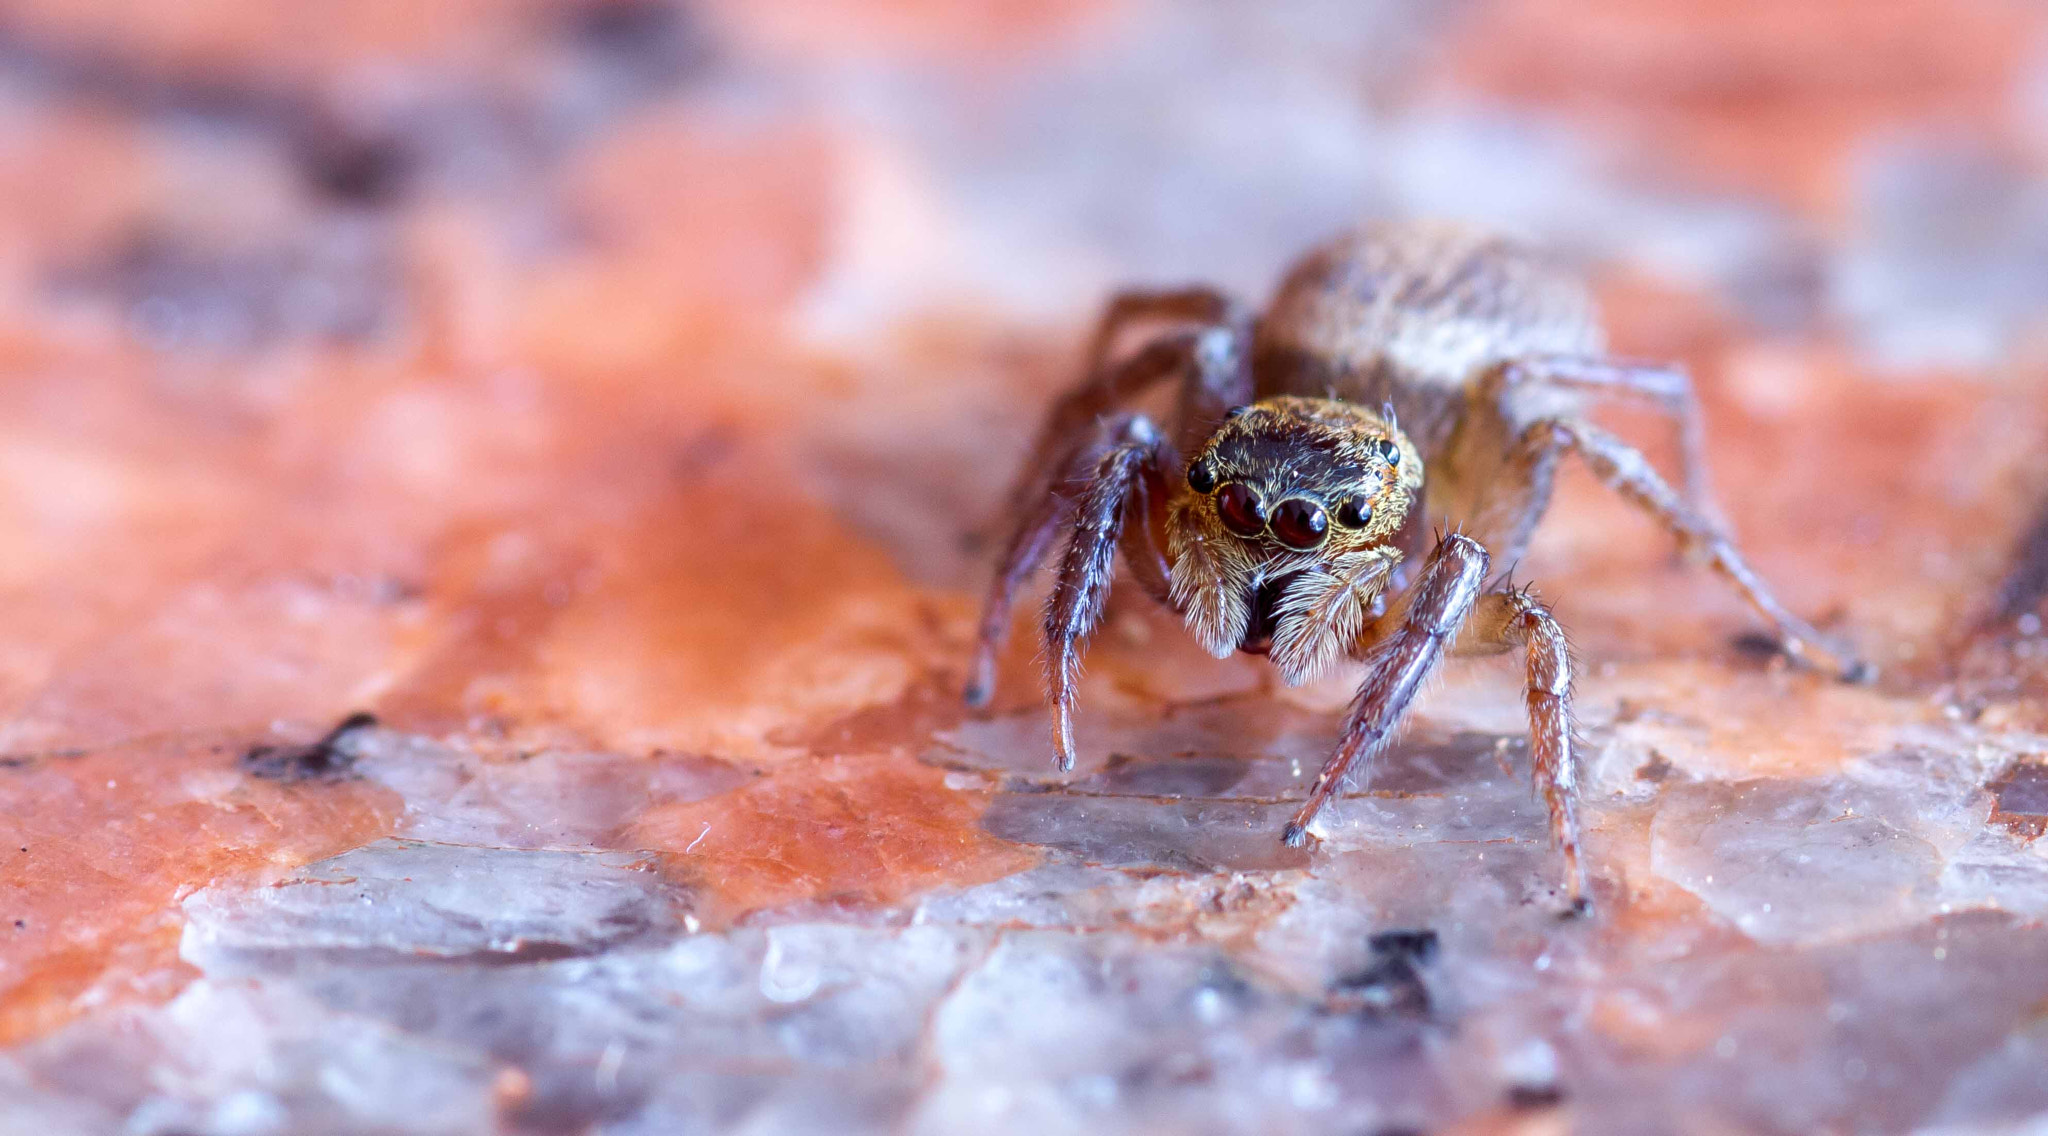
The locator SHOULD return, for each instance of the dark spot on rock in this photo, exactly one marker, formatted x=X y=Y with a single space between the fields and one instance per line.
x=30 y=760
x=178 y=294
x=1417 y=945
x=1756 y=645
x=1657 y=770
x=2025 y=586
x=1194 y=776
x=352 y=167
x=1531 y=1097
x=649 y=43
x=2020 y=793
x=1391 y=986
x=324 y=760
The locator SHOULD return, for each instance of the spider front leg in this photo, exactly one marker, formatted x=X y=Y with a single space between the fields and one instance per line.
x=1429 y=615
x=1104 y=388
x=1513 y=618
x=1446 y=611
x=1212 y=370
x=1130 y=478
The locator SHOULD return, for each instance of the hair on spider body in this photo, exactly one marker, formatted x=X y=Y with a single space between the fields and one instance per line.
x=1277 y=513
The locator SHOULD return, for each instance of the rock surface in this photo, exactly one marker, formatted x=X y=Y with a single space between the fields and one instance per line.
x=615 y=399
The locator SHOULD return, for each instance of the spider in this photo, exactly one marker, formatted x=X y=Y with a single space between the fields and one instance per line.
x=1277 y=508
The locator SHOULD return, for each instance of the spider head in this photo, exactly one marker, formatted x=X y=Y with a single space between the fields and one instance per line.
x=1284 y=486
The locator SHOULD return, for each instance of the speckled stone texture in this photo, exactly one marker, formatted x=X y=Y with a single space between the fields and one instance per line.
x=615 y=400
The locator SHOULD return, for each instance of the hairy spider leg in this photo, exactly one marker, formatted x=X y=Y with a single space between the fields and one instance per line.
x=1512 y=618
x=1211 y=363
x=1447 y=612
x=1022 y=555
x=1666 y=386
x=1104 y=388
x=1122 y=479
x=1625 y=470
x=1197 y=304
x=1423 y=621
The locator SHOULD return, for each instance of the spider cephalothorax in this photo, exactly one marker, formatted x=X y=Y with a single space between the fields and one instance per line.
x=1284 y=530
x=1282 y=545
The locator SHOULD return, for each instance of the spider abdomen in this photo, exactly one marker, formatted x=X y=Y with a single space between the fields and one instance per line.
x=1410 y=313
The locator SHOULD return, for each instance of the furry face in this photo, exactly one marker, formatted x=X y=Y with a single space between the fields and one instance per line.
x=1282 y=545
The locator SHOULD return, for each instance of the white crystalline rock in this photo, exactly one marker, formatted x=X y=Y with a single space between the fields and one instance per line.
x=238 y=1059
x=437 y=899
x=556 y=799
x=1998 y=870
x=1052 y=895
x=2009 y=1083
x=1791 y=861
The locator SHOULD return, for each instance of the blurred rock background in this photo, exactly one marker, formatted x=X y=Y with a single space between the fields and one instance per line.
x=614 y=399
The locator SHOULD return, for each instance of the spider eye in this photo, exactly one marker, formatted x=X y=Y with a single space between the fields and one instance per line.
x=1389 y=451
x=1242 y=511
x=1355 y=513
x=1300 y=523
x=1202 y=478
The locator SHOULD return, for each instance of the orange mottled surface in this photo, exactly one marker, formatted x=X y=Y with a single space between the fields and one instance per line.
x=616 y=399
x=1753 y=96
x=103 y=845
x=860 y=830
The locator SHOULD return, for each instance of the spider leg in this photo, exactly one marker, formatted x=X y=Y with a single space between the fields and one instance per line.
x=1628 y=473
x=1029 y=541
x=1196 y=304
x=1087 y=566
x=1144 y=536
x=1429 y=616
x=1667 y=386
x=1221 y=366
x=1513 y=618
x=1214 y=377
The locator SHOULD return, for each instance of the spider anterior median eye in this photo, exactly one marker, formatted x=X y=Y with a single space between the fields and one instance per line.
x=1242 y=511
x=1355 y=513
x=1300 y=523
x=1201 y=478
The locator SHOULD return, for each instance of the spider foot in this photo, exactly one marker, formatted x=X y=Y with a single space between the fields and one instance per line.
x=1822 y=655
x=1062 y=742
x=1826 y=654
x=1812 y=652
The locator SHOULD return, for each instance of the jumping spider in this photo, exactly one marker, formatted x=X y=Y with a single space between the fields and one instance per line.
x=1393 y=358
